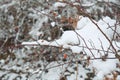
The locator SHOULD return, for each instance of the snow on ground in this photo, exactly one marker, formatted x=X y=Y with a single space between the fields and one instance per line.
x=75 y=40
x=104 y=67
x=87 y=35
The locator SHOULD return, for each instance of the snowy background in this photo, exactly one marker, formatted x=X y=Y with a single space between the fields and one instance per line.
x=59 y=40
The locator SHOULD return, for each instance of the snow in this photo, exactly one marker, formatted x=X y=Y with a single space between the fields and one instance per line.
x=52 y=24
x=86 y=38
x=75 y=49
x=85 y=30
x=104 y=67
x=68 y=37
x=114 y=1
x=12 y=77
x=35 y=30
x=2 y=61
x=88 y=4
x=2 y=73
x=59 y=4
x=10 y=19
x=86 y=34
x=5 y=6
x=82 y=22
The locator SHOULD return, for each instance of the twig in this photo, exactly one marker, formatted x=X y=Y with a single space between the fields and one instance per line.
x=77 y=61
x=85 y=43
x=77 y=71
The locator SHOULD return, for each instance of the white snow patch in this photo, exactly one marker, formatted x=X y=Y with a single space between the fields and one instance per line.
x=104 y=67
x=82 y=22
x=68 y=37
x=75 y=49
x=59 y=4
x=53 y=24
